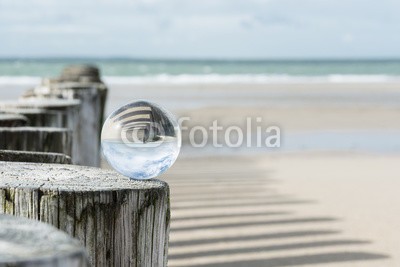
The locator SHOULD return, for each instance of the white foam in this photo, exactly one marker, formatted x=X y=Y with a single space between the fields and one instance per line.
x=249 y=79
x=219 y=79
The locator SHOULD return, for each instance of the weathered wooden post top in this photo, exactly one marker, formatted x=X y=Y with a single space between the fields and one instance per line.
x=29 y=243
x=121 y=222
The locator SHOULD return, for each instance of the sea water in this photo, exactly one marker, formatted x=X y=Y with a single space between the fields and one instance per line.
x=134 y=71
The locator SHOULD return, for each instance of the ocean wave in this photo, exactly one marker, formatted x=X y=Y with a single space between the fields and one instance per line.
x=219 y=79
x=248 y=79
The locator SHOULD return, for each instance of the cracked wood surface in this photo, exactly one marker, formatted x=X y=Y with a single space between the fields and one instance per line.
x=121 y=222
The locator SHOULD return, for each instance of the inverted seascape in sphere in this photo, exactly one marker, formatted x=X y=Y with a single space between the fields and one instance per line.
x=141 y=140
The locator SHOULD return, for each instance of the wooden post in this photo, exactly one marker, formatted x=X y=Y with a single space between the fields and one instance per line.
x=67 y=109
x=38 y=139
x=39 y=117
x=29 y=243
x=121 y=222
x=90 y=119
x=12 y=120
x=38 y=157
x=86 y=74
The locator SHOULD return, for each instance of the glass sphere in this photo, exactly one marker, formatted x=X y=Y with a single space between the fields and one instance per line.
x=141 y=140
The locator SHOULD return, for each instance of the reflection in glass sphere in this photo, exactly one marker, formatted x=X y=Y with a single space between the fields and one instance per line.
x=141 y=140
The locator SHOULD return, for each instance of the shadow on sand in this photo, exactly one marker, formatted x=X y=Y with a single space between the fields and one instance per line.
x=231 y=218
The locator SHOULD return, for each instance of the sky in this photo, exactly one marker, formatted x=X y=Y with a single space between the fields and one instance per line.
x=237 y=29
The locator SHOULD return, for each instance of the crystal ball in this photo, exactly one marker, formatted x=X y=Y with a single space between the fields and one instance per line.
x=141 y=140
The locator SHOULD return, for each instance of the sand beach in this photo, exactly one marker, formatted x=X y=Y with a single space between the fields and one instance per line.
x=326 y=197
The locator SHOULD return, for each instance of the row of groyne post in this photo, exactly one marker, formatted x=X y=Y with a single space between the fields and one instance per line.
x=74 y=103
x=49 y=172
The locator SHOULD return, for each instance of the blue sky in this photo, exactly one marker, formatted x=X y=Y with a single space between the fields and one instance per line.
x=201 y=28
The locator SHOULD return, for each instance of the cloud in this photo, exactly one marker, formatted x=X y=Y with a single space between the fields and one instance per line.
x=199 y=28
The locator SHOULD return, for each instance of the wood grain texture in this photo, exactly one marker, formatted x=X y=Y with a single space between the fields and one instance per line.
x=29 y=243
x=37 y=139
x=121 y=222
x=37 y=157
